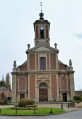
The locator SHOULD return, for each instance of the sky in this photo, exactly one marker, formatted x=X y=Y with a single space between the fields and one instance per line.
x=16 y=31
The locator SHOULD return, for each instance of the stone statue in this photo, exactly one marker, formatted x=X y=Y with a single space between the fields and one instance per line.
x=70 y=63
x=28 y=45
x=14 y=64
x=55 y=46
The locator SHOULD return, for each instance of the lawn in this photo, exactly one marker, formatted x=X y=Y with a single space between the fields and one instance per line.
x=41 y=110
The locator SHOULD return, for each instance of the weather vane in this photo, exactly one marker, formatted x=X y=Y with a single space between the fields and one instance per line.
x=41 y=6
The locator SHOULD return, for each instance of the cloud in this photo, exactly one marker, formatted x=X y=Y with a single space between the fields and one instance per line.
x=78 y=35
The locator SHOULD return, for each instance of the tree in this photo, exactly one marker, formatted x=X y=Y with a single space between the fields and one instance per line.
x=2 y=82
x=8 y=81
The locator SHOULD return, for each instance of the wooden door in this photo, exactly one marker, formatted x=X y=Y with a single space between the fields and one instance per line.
x=22 y=96
x=64 y=97
x=43 y=95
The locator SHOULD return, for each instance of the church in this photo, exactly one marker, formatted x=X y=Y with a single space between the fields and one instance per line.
x=43 y=77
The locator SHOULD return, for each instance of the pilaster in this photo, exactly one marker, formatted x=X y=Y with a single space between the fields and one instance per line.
x=57 y=87
x=28 y=85
x=14 y=88
x=72 y=90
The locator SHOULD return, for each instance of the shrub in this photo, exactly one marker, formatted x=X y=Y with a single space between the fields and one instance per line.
x=25 y=102
x=29 y=107
x=77 y=97
x=2 y=102
x=16 y=105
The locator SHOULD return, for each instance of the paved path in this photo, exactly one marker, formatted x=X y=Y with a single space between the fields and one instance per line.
x=70 y=115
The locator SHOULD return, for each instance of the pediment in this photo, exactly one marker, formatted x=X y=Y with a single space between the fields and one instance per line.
x=42 y=49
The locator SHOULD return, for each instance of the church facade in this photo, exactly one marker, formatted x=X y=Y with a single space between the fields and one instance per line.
x=42 y=77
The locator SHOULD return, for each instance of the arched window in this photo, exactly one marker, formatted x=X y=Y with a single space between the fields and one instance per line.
x=43 y=84
x=41 y=32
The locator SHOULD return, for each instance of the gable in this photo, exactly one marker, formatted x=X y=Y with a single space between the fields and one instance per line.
x=42 y=49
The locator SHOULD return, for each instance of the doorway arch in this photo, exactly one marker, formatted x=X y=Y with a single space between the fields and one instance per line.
x=43 y=92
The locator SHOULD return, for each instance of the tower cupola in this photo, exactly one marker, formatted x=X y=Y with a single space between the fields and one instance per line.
x=41 y=29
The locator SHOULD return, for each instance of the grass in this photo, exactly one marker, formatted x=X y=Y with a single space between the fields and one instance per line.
x=41 y=110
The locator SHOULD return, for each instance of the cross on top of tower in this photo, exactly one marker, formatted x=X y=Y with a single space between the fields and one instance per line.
x=41 y=14
x=41 y=6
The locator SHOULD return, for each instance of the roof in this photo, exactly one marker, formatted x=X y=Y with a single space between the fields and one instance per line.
x=23 y=63
x=3 y=88
x=7 y=93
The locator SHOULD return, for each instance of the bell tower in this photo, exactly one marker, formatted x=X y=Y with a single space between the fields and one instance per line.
x=41 y=29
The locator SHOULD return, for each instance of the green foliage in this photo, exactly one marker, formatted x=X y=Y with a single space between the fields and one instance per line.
x=16 y=105
x=77 y=97
x=2 y=82
x=29 y=107
x=8 y=101
x=6 y=82
x=25 y=102
x=2 y=102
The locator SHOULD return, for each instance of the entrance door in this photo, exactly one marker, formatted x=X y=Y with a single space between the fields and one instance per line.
x=64 y=97
x=22 y=96
x=43 y=95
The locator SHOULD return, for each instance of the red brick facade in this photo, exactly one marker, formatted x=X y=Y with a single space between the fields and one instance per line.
x=21 y=84
x=23 y=67
x=32 y=86
x=61 y=66
x=53 y=61
x=32 y=61
x=54 y=86
x=36 y=31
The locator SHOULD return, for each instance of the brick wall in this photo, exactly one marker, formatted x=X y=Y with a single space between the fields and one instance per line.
x=36 y=31
x=61 y=66
x=53 y=86
x=23 y=67
x=32 y=86
x=21 y=82
x=64 y=82
x=32 y=61
x=46 y=31
x=53 y=61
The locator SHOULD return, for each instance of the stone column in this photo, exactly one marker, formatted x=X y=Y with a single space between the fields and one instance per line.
x=56 y=61
x=14 y=88
x=28 y=65
x=72 y=89
x=28 y=85
x=57 y=87
x=36 y=90
x=50 y=92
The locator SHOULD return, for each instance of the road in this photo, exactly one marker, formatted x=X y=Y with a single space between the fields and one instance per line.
x=70 y=115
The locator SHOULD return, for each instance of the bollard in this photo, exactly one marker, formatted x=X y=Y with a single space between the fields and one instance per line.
x=51 y=111
x=34 y=109
x=16 y=111
x=68 y=104
x=61 y=105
